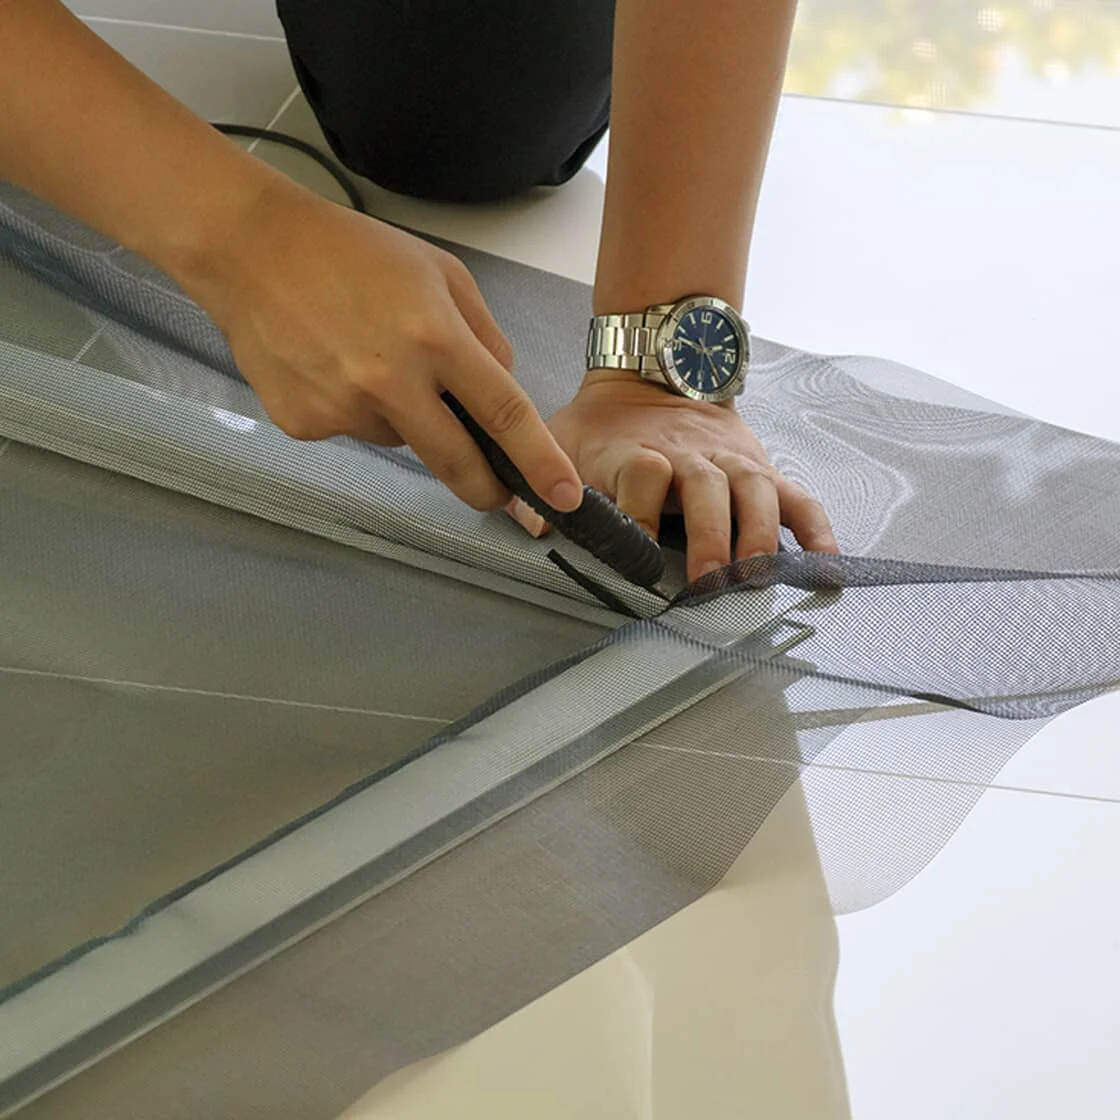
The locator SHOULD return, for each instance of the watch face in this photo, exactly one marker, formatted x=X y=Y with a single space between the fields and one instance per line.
x=706 y=350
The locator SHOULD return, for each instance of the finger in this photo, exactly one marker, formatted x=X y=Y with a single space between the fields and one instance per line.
x=528 y=518
x=805 y=517
x=705 y=497
x=473 y=308
x=368 y=424
x=491 y=395
x=643 y=486
x=435 y=434
x=757 y=509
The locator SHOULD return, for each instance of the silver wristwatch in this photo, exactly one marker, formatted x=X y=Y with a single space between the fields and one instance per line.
x=698 y=347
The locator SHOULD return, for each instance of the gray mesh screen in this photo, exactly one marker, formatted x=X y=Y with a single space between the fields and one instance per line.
x=178 y=681
x=220 y=688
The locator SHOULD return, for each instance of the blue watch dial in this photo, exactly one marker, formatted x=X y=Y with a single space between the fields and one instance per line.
x=706 y=350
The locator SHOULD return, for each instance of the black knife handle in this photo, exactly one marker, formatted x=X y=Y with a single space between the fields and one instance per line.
x=598 y=525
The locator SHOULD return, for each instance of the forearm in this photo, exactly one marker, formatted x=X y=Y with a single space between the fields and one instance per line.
x=86 y=131
x=694 y=94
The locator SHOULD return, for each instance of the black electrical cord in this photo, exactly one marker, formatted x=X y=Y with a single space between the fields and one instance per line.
x=335 y=170
x=598 y=525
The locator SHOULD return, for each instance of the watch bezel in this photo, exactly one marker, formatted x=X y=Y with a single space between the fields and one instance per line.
x=664 y=347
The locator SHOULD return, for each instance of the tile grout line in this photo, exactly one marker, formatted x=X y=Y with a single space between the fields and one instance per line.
x=275 y=119
x=12 y=670
x=152 y=26
x=946 y=111
x=801 y=764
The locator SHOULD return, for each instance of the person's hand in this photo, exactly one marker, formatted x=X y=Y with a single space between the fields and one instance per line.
x=648 y=448
x=345 y=325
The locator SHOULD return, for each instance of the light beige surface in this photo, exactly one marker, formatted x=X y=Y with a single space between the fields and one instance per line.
x=722 y=1011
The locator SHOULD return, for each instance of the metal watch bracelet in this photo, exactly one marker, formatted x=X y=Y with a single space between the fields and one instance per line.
x=626 y=341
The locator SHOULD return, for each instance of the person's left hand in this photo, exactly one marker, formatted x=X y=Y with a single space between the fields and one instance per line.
x=649 y=449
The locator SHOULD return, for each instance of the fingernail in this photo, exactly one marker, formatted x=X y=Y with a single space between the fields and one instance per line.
x=566 y=496
x=708 y=568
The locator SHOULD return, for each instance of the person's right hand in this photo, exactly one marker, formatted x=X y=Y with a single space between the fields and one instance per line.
x=345 y=325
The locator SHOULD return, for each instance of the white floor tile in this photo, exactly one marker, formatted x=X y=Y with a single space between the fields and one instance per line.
x=1075 y=754
x=987 y=987
x=244 y=17
x=1078 y=753
x=976 y=250
x=220 y=77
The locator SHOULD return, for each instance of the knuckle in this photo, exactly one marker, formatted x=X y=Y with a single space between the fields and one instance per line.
x=709 y=533
x=755 y=537
x=453 y=266
x=503 y=349
x=696 y=469
x=454 y=469
x=689 y=467
x=812 y=507
x=507 y=415
x=428 y=334
x=359 y=385
x=814 y=512
x=794 y=496
x=741 y=469
x=652 y=463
